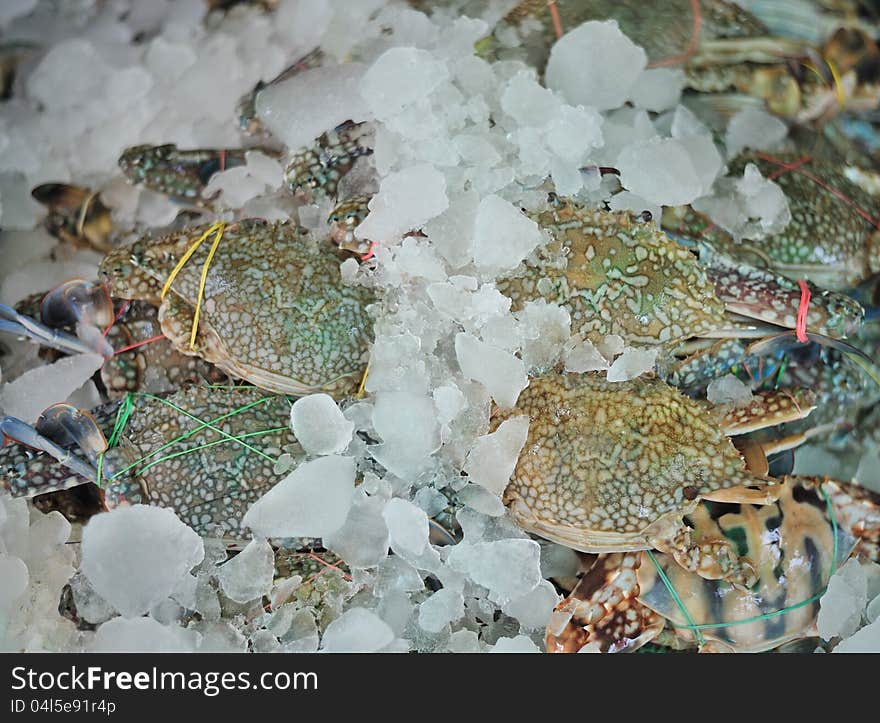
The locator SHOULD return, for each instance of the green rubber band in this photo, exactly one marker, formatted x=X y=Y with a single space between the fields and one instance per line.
x=183 y=452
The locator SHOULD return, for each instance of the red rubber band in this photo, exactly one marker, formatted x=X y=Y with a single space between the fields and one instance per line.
x=803 y=307
x=139 y=343
x=370 y=253
x=554 y=13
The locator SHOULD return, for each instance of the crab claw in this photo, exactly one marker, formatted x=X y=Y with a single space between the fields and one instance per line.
x=12 y=322
x=19 y=431
x=67 y=425
x=77 y=301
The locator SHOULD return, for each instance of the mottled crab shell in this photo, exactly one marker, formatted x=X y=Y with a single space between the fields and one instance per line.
x=605 y=463
x=617 y=275
x=275 y=311
x=663 y=29
x=208 y=479
x=827 y=240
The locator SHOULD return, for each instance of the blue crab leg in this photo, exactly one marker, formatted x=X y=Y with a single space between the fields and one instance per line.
x=23 y=433
x=11 y=322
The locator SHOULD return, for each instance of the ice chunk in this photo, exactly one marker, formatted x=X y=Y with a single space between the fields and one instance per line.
x=406 y=200
x=14 y=574
x=503 y=236
x=90 y=606
x=241 y=184
x=407 y=425
x=407 y=525
x=449 y=401
x=728 y=390
x=482 y=500
x=595 y=64
x=659 y=170
x=866 y=640
x=248 y=575
x=443 y=607
x=749 y=207
x=527 y=101
x=43 y=386
x=451 y=231
x=301 y=108
x=840 y=609
x=582 y=356
x=401 y=77
x=544 y=329
x=755 y=129
x=135 y=556
x=492 y=458
x=519 y=644
x=658 y=89
x=508 y=568
x=632 y=363
x=463 y=641
x=319 y=425
x=312 y=501
x=357 y=630
x=363 y=540
x=502 y=374
x=142 y=635
x=534 y=608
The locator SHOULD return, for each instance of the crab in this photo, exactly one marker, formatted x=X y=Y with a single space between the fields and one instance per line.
x=181 y=174
x=206 y=452
x=275 y=311
x=615 y=467
x=138 y=357
x=830 y=240
x=725 y=48
x=617 y=274
x=621 y=602
x=76 y=215
x=319 y=168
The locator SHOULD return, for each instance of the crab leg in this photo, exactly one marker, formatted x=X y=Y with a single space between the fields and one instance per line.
x=12 y=322
x=23 y=433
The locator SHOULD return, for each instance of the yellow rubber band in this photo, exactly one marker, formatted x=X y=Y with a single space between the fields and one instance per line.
x=192 y=337
x=217 y=229
x=360 y=391
x=186 y=257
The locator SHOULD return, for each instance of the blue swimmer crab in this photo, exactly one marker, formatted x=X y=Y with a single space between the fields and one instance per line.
x=615 y=467
x=207 y=453
x=275 y=311
x=624 y=600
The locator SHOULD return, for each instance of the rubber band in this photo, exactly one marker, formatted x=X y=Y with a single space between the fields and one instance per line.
x=803 y=308
x=554 y=14
x=140 y=343
x=370 y=252
x=692 y=44
x=202 y=281
x=216 y=228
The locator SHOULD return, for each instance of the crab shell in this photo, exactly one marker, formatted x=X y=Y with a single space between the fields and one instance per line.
x=617 y=275
x=275 y=311
x=167 y=456
x=614 y=467
x=828 y=241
